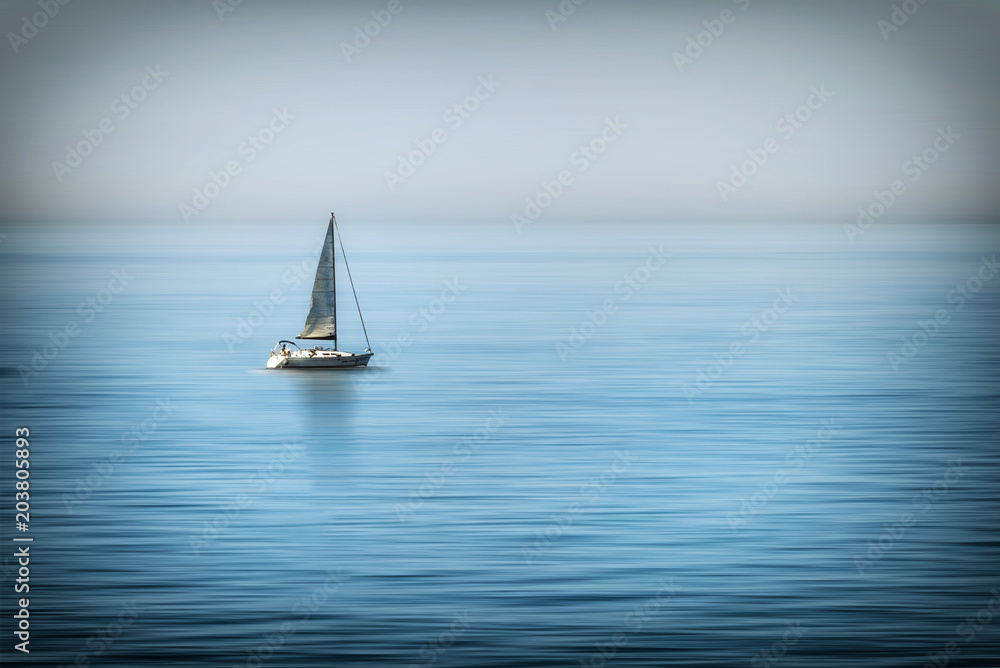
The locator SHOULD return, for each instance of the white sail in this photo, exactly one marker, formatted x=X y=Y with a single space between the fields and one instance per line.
x=321 y=323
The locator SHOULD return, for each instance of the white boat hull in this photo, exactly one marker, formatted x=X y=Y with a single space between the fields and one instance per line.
x=318 y=359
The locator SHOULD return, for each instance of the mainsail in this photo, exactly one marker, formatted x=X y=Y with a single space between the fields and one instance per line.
x=321 y=323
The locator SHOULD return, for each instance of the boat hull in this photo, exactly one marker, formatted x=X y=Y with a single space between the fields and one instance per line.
x=320 y=360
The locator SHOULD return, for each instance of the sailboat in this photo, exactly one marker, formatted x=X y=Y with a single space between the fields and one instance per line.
x=321 y=322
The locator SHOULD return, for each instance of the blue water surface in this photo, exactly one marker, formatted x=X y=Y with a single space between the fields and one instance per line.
x=561 y=458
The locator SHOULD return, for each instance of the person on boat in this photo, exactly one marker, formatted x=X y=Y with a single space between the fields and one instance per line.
x=284 y=350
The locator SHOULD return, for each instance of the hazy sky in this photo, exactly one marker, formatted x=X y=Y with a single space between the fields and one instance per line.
x=337 y=124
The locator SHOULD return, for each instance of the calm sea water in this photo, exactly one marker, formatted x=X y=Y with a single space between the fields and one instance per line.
x=556 y=458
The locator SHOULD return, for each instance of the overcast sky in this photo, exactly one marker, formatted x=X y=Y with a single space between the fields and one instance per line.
x=337 y=123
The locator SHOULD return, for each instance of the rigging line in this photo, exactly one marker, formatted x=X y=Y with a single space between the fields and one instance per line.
x=348 y=267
